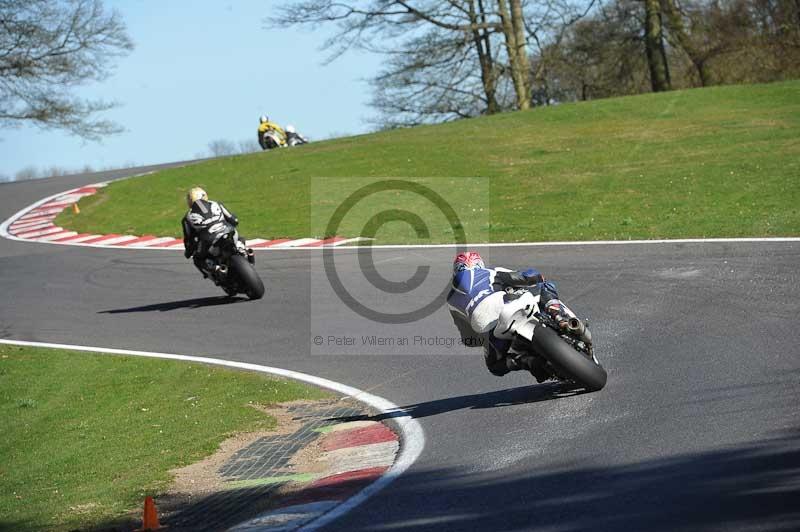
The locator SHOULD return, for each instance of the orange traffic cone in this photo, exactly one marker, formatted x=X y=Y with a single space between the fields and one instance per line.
x=75 y=208
x=150 y=517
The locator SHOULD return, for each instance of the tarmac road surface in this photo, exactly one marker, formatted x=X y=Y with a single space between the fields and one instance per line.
x=697 y=428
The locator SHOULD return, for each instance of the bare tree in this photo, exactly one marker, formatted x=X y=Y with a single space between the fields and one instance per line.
x=416 y=36
x=445 y=58
x=47 y=49
x=547 y=23
x=736 y=40
x=29 y=172
x=435 y=77
x=249 y=146
x=221 y=147
x=600 y=56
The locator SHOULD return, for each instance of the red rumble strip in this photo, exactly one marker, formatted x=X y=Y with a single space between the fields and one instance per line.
x=36 y=224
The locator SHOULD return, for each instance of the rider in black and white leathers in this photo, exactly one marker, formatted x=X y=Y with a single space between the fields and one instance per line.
x=202 y=216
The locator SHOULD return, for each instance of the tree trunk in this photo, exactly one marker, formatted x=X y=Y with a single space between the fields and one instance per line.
x=483 y=46
x=523 y=61
x=653 y=42
x=518 y=74
x=679 y=32
x=797 y=11
x=663 y=51
x=702 y=72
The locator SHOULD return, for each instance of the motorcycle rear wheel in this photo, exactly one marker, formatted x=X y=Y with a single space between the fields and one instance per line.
x=247 y=276
x=567 y=361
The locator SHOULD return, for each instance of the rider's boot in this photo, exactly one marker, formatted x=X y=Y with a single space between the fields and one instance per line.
x=534 y=364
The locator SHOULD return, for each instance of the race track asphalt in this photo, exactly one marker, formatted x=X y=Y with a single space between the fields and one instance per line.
x=697 y=428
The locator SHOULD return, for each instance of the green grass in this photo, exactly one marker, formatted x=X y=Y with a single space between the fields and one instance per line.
x=85 y=437
x=714 y=162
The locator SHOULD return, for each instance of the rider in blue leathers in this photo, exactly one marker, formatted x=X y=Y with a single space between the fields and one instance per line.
x=476 y=299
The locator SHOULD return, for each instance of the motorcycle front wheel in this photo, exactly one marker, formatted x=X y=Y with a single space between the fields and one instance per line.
x=568 y=362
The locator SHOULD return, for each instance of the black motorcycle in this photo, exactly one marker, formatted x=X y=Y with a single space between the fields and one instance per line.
x=233 y=264
x=567 y=351
x=293 y=138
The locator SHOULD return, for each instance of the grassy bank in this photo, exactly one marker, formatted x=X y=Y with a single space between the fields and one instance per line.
x=714 y=162
x=85 y=437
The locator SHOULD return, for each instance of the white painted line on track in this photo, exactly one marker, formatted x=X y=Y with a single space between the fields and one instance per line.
x=412 y=437
x=577 y=243
x=295 y=243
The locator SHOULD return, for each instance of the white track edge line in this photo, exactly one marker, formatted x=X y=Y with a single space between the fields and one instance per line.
x=412 y=440
x=577 y=243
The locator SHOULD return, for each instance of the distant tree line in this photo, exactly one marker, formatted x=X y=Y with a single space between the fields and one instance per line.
x=448 y=59
x=630 y=46
x=34 y=172
x=223 y=147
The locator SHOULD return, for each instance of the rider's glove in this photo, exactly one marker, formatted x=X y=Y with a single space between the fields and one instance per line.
x=532 y=276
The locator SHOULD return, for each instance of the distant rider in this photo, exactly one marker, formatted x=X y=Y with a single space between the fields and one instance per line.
x=263 y=127
x=201 y=216
x=293 y=138
x=476 y=299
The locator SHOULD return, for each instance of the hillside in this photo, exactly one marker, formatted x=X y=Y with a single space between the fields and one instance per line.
x=713 y=162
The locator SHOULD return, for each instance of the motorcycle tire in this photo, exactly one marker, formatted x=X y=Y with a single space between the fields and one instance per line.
x=247 y=276
x=567 y=361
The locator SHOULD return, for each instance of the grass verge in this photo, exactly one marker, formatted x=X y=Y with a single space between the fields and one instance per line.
x=85 y=437
x=713 y=162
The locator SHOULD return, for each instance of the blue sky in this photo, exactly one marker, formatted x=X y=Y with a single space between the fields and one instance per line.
x=201 y=71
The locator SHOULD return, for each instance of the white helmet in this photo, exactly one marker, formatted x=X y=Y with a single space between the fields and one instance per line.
x=290 y=129
x=263 y=119
x=195 y=194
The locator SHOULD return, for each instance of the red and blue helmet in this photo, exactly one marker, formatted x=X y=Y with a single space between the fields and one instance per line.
x=467 y=261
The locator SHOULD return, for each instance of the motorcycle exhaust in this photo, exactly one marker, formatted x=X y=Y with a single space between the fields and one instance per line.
x=223 y=270
x=579 y=329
